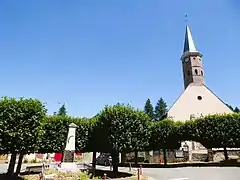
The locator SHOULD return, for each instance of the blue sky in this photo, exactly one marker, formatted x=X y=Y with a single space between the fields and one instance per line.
x=89 y=53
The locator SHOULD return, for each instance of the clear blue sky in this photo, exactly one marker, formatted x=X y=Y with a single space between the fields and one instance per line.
x=89 y=53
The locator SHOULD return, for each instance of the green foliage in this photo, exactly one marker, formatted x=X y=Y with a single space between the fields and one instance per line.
x=160 y=110
x=218 y=131
x=20 y=124
x=62 y=110
x=24 y=127
x=236 y=110
x=121 y=128
x=56 y=130
x=230 y=107
x=164 y=135
x=148 y=109
x=54 y=139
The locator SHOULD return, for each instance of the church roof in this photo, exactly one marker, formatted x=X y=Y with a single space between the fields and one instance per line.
x=189 y=45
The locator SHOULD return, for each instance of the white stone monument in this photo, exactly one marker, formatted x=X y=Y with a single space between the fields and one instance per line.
x=69 y=151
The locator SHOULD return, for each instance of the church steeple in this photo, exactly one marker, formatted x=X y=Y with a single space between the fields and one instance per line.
x=189 y=45
x=191 y=62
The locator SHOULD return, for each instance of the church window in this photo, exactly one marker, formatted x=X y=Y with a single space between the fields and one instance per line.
x=202 y=73
x=194 y=58
x=200 y=59
x=199 y=97
x=188 y=73
x=196 y=71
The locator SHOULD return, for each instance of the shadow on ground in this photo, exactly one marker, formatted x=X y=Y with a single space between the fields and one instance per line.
x=228 y=163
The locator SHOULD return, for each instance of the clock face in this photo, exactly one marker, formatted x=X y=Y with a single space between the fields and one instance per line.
x=186 y=60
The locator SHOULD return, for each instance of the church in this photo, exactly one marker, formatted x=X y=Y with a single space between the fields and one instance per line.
x=197 y=100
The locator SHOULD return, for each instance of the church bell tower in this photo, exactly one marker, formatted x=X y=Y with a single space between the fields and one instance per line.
x=191 y=62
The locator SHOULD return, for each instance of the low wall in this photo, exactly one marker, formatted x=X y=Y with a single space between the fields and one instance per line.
x=204 y=156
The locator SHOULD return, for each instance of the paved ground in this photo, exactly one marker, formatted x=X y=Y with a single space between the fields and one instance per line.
x=194 y=173
x=4 y=167
x=186 y=173
x=190 y=173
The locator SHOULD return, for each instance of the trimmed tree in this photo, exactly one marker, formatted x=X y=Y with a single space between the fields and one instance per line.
x=122 y=129
x=20 y=121
x=56 y=130
x=164 y=135
x=216 y=131
x=160 y=110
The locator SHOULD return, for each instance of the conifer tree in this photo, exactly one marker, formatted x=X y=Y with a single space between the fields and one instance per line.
x=148 y=108
x=62 y=110
x=160 y=111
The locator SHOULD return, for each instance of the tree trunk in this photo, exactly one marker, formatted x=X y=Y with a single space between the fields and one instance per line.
x=94 y=160
x=19 y=163
x=165 y=156
x=12 y=163
x=115 y=161
x=225 y=153
x=147 y=156
x=136 y=157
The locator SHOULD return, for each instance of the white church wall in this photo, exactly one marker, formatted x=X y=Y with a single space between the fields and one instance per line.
x=197 y=101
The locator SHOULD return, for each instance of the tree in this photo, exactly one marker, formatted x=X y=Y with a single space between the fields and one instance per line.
x=148 y=108
x=20 y=127
x=56 y=130
x=122 y=129
x=215 y=131
x=62 y=110
x=160 y=110
x=164 y=135
x=236 y=110
x=230 y=107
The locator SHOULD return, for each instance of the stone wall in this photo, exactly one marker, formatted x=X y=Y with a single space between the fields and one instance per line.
x=207 y=156
x=171 y=157
x=219 y=155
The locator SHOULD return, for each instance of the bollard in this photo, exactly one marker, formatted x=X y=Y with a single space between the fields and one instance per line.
x=105 y=176
x=130 y=167
x=140 y=169
x=111 y=168
x=139 y=175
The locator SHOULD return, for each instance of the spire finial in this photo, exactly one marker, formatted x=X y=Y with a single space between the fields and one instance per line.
x=186 y=19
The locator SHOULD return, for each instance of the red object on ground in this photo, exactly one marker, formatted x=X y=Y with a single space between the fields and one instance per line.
x=105 y=176
x=161 y=159
x=58 y=157
x=78 y=154
x=139 y=175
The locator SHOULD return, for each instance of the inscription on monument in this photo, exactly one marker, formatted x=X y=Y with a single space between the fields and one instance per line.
x=68 y=156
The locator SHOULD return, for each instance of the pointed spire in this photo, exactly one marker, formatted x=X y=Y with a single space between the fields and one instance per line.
x=189 y=44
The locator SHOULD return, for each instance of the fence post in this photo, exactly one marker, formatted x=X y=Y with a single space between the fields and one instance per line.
x=139 y=176
x=105 y=176
x=140 y=169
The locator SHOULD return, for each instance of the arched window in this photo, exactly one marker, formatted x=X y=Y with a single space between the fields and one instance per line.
x=188 y=73
x=202 y=73
x=196 y=72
